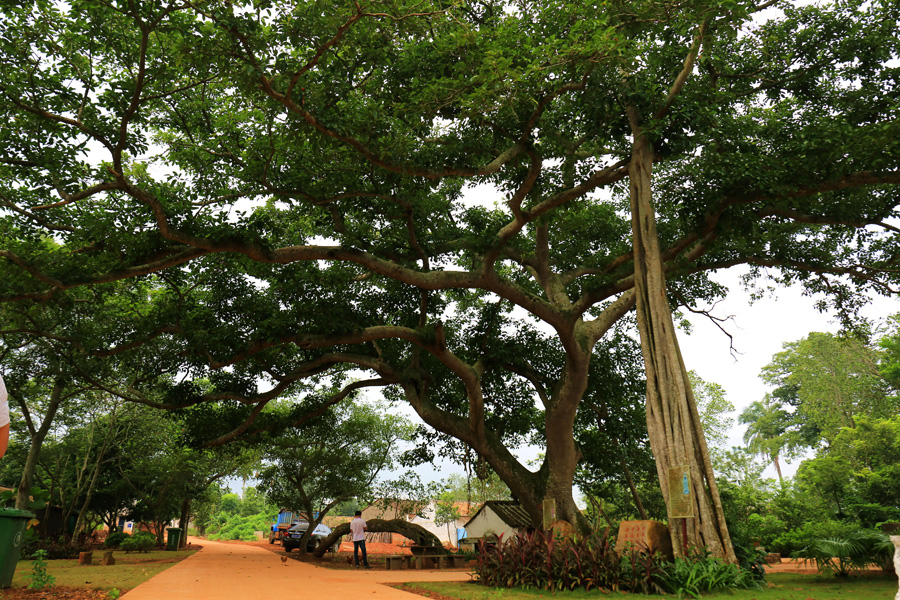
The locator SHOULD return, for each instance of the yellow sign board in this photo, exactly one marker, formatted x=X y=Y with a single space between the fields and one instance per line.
x=549 y=512
x=681 y=492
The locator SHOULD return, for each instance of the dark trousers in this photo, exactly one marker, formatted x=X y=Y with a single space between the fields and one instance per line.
x=356 y=547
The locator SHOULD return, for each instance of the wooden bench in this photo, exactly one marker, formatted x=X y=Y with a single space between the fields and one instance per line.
x=432 y=557
x=455 y=561
x=439 y=561
x=428 y=561
x=397 y=562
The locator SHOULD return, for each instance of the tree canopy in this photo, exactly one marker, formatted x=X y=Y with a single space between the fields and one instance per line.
x=290 y=185
x=333 y=458
x=830 y=380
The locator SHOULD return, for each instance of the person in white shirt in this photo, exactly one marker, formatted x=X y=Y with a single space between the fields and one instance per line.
x=4 y=418
x=358 y=535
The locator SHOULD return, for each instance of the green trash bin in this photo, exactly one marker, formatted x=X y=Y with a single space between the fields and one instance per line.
x=174 y=538
x=12 y=535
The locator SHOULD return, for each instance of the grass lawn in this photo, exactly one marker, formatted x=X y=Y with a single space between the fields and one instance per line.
x=129 y=571
x=782 y=586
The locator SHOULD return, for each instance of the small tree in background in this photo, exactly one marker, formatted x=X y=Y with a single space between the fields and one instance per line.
x=446 y=512
x=476 y=490
x=403 y=496
x=834 y=380
x=768 y=431
x=337 y=456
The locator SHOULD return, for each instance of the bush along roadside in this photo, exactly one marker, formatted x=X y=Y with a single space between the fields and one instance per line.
x=541 y=561
x=115 y=539
x=141 y=541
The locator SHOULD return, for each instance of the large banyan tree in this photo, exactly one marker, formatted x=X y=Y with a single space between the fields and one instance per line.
x=461 y=200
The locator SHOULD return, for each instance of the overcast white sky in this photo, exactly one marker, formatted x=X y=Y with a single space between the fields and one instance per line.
x=759 y=330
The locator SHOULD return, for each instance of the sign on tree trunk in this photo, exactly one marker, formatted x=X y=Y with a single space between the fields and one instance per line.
x=680 y=498
x=549 y=513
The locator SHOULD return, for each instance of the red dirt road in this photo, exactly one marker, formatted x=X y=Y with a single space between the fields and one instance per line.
x=798 y=565
x=223 y=571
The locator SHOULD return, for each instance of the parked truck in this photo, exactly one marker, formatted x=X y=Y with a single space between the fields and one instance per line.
x=281 y=523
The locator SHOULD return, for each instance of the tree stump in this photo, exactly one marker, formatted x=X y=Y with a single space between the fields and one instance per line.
x=84 y=558
x=107 y=559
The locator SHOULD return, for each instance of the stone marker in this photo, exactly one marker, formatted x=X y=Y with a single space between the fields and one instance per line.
x=107 y=559
x=562 y=528
x=650 y=534
x=896 y=541
x=84 y=558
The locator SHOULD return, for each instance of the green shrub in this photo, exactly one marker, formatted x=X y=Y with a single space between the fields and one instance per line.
x=467 y=554
x=793 y=541
x=766 y=528
x=870 y=514
x=115 y=539
x=53 y=549
x=540 y=561
x=849 y=553
x=141 y=541
x=237 y=527
x=40 y=578
x=701 y=573
x=751 y=559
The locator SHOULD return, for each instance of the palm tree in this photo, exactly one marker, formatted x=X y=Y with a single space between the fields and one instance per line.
x=768 y=432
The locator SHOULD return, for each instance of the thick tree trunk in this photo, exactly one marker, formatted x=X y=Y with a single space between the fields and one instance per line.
x=555 y=479
x=184 y=520
x=37 y=441
x=562 y=453
x=673 y=423
x=160 y=527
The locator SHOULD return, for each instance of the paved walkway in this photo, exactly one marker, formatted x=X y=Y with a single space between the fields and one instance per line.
x=237 y=572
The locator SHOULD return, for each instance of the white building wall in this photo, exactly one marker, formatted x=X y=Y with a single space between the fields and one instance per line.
x=487 y=524
x=440 y=531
